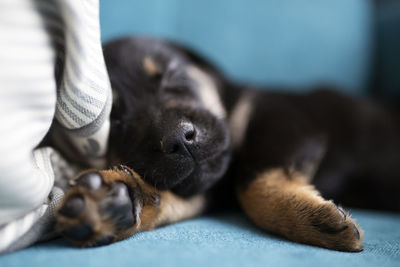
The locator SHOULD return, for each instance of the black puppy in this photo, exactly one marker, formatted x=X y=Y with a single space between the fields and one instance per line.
x=195 y=140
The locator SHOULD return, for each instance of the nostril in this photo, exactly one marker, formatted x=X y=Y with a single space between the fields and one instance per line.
x=179 y=140
x=190 y=135
x=188 y=131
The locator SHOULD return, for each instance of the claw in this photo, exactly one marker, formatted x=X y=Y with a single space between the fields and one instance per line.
x=124 y=169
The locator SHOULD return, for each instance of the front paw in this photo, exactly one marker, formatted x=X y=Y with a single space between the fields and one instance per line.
x=100 y=208
x=335 y=229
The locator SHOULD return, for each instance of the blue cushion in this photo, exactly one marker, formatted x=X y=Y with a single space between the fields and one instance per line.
x=223 y=240
x=265 y=42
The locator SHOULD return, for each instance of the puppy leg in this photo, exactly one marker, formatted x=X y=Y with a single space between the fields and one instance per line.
x=283 y=203
x=110 y=205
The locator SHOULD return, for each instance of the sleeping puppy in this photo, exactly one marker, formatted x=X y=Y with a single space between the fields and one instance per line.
x=184 y=140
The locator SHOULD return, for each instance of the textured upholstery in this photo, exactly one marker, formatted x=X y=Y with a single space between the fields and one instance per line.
x=224 y=240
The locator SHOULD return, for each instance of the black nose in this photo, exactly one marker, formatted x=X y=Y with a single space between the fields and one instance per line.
x=179 y=140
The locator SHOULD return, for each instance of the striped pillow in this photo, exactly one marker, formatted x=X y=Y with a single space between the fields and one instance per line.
x=51 y=66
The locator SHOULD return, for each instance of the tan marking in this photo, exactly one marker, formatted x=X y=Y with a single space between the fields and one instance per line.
x=240 y=118
x=150 y=66
x=170 y=208
x=284 y=204
x=208 y=92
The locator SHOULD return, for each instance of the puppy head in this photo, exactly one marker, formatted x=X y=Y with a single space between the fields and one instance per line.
x=168 y=122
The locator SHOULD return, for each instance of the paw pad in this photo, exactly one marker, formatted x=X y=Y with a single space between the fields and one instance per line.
x=94 y=212
x=90 y=180
x=73 y=207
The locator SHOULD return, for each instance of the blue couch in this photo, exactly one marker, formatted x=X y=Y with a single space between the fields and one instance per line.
x=224 y=240
x=291 y=43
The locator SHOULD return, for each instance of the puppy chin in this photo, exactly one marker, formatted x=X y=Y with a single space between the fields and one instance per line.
x=205 y=175
x=170 y=175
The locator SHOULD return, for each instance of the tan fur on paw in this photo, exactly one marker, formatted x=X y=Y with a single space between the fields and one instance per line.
x=103 y=207
x=284 y=204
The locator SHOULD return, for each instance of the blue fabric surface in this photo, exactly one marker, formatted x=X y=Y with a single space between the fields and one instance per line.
x=274 y=42
x=224 y=240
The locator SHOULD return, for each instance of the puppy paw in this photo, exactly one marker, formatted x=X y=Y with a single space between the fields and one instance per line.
x=286 y=205
x=101 y=207
x=335 y=229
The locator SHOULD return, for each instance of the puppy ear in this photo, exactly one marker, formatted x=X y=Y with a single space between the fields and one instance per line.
x=151 y=67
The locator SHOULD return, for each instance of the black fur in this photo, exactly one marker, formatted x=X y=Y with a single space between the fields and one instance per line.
x=161 y=129
x=150 y=114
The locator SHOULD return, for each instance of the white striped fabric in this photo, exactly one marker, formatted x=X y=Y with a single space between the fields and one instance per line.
x=27 y=106
x=84 y=93
x=84 y=67
x=51 y=66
